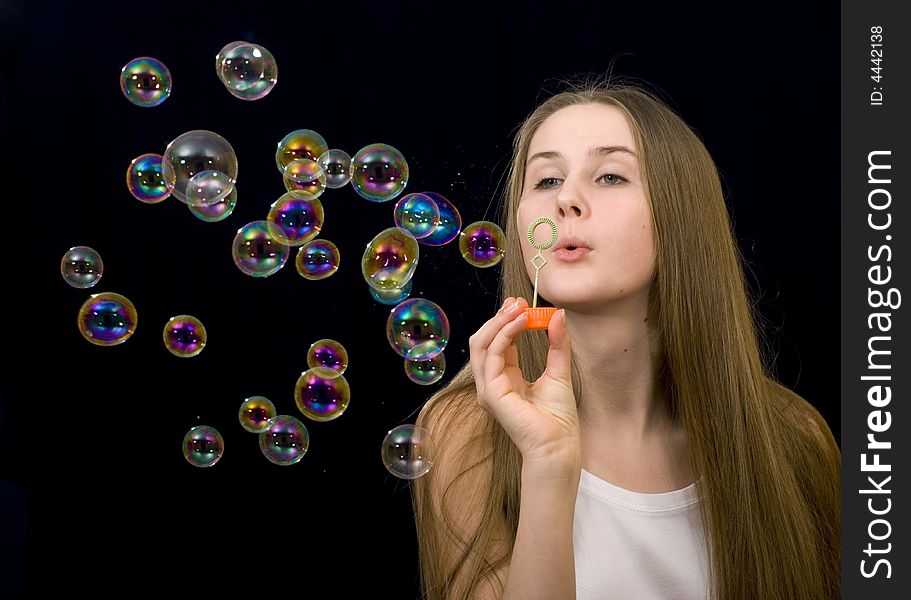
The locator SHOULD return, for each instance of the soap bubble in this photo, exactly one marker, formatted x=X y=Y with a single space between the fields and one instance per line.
x=146 y=180
x=208 y=187
x=192 y=153
x=145 y=81
x=294 y=220
x=322 y=394
x=337 y=166
x=329 y=354
x=255 y=412
x=301 y=143
x=81 y=267
x=285 y=440
x=392 y=295
x=107 y=319
x=417 y=214
x=482 y=244
x=450 y=222
x=218 y=211
x=379 y=172
x=203 y=446
x=408 y=451
x=390 y=259
x=247 y=70
x=417 y=329
x=426 y=372
x=317 y=259
x=304 y=178
x=184 y=336
x=256 y=252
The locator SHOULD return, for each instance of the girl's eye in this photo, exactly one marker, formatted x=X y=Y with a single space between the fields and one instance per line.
x=609 y=179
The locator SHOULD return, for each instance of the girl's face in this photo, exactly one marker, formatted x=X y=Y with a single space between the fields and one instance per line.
x=583 y=173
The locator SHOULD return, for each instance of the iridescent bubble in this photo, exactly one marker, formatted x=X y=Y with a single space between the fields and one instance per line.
x=322 y=394
x=81 y=267
x=207 y=188
x=255 y=412
x=317 y=259
x=247 y=70
x=285 y=440
x=107 y=319
x=145 y=81
x=426 y=372
x=295 y=220
x=408 y=451
x=184 y=336
x=256 y=252
x=304 y=178
x=329 y=354
x=203 y=446
x=337 y=166
x=192 y=153
x=450 y=222
x=218 y=211
x=390 y=259
x=146 y=180
x=417 y=214
x=379 y=172
x=392 y=295
x=482 y=244
x=301 y=143
x=417 y=329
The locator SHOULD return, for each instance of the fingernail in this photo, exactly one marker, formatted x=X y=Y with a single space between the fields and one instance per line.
x=563 y=315
x=516 y=305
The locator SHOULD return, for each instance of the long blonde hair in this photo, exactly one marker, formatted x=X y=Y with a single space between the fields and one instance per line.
x=769 y=465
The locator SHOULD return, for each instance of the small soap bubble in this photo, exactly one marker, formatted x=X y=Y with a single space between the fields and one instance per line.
x=450 y=222
x=426 y=372
x=417 y=214
x=322 y=394
x=247 y=70
x=390 y=259
x=379 y=172
x=295 y=220
x=107 y=319
x=391 y=296
x=317 y=259
x=218 y=211
x=417 y=329
x=145 y=81
x=146 y=180
x=337 y=166
x=207 y=188
x=255 y=412
x=408 y=451
x=192 y=153
x=301 y=143
x=304 y=178
x=482 y=244
x=203 y=446
x=81 y=267
x=256 y=252
x=184 y=336
x=285 y=440
x=329 y=354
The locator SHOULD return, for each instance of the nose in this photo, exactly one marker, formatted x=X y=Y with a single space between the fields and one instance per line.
x=571 y=201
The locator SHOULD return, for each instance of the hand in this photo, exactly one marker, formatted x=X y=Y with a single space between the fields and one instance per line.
x=540 y=417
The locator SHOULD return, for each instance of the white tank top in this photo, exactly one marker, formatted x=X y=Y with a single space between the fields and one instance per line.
x=634 y=546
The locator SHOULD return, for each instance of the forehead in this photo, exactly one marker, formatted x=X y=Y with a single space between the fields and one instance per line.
x=577 y=128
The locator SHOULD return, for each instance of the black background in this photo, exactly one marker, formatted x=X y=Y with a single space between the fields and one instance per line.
x=90 y=446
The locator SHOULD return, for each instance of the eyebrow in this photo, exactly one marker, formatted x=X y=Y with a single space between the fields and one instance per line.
x=594 y=151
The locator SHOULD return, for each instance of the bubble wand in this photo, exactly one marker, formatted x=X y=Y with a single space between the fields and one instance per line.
x=538 y=318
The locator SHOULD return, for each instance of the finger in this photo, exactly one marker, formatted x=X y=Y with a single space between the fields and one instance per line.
x=478 y=342
x=495 y=361
x=559 y=355
x=488 y=331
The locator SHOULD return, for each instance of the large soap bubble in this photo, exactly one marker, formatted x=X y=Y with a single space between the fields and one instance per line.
x=337 y=166
x=200 y=153
x=379 y=172
x=390 y=259
x=145 y=81
x=299 y=144
x=256 y=252
x=285 y=440
x=146 y=181
x=417 y=329
x=482 y=244
x=450 y=222
x=203 y=446
x=408 y=451
x=247 y=70
x=81 y=267
x=107 y=319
